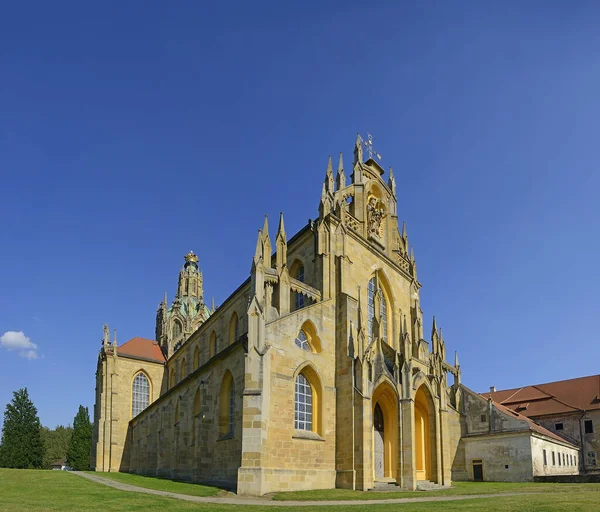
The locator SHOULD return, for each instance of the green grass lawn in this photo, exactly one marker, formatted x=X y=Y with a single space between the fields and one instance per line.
x=29 y=490
x=458 y=488
x=161 y=484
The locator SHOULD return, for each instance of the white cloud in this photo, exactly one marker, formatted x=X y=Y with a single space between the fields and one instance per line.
x=16 y=340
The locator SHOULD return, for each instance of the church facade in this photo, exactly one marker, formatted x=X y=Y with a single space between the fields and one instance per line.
x=314 y=373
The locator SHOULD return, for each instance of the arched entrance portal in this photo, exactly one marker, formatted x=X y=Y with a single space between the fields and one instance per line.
x=385 y=433
x=424 y=434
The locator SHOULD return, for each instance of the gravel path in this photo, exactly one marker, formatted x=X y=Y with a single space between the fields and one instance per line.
x=263 y=502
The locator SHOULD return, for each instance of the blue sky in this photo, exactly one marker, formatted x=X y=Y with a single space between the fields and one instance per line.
x=132 y=132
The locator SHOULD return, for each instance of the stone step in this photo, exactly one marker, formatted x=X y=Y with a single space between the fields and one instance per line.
x=384 y=484
x=426 y=485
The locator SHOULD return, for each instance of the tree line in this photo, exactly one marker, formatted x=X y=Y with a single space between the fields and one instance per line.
x=27 y=445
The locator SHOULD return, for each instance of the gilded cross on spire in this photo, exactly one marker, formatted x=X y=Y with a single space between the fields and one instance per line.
x=368 y=144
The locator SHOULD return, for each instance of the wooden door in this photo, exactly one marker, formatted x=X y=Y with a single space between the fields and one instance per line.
x=478 y=471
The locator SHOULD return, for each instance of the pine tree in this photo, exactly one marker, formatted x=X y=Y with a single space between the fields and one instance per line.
x=22 y=445
x=80 y=447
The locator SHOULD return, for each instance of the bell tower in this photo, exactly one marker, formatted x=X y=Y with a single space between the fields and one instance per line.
x=175 y=323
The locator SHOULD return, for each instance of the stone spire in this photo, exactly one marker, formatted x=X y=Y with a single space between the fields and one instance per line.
x=281 y=245
x=434 y=333
x=329 y=185
x=259 y=248
x=341 y=177
x=266 y=243
x=358 y=152
x=392 y=181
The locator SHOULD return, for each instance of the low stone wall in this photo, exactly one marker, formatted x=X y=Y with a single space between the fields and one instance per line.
x=569 y=479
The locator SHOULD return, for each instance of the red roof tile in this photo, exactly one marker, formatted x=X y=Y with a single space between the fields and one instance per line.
x=142 y=348
x=532 y=425
x=559 y=397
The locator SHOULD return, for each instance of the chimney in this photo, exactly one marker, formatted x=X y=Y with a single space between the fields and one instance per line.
x=492 y=389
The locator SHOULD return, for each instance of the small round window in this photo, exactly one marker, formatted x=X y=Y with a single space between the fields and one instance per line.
x=302 y=341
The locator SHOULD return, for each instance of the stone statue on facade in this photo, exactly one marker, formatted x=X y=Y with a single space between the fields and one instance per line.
x=375 y=216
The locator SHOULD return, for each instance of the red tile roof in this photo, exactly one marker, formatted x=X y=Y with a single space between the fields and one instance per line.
x=561 y=397
x=532 y=425
x=141 y=348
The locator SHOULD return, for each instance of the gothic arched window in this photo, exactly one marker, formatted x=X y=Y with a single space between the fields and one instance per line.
x=302 y=341
x=227 y=405
x=303 y=401
x=183 y=373
x=140 y=394
x=212 y=344
x=233 y=328
x=371 y=309
x=196 y=358
x=177 y=329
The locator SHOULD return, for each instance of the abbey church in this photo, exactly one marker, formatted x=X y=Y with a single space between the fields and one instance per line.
x=314 y=373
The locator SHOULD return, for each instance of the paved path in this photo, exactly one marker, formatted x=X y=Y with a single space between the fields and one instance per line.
x=264 y=502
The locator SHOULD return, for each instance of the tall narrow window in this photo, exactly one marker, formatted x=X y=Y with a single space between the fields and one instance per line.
x=371 y=291
x=371 y=305
x=177 y=329
x=140 y=394
x=212 y=345
x=545 y=458
x=589 y=426
x=183 y=373
x=227 y=406
x=303 y=404
x=196 y=358
x=233 y=328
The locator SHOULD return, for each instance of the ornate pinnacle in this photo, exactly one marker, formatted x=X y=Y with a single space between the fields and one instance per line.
x=191 y=257
x=281 y=229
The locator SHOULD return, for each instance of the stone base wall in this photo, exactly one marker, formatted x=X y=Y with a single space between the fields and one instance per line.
x=259 y=481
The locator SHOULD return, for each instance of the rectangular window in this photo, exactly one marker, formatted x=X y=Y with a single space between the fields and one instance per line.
x=553 y=459
x=588 y=426
x=558 y=426
x=564 y=460
x=559 y=459
x=591 y=458
x=545 y=458
x=483 y=418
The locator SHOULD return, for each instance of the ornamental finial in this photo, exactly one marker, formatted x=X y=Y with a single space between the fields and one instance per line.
x=190 y=257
